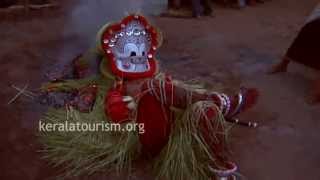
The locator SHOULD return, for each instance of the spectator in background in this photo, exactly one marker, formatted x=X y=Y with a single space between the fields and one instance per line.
x=242 y=3
x=201 y=8
x=174 y=4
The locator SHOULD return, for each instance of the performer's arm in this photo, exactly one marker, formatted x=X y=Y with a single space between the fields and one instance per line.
x=178 y=94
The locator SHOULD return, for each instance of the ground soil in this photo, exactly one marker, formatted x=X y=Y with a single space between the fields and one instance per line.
x=233 y=49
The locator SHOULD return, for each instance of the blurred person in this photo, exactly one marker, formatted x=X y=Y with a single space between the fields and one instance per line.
x=201 y=8
x=243 y=3
x=305 y=50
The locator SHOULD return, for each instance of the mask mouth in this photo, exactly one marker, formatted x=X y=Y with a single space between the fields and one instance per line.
x=136 y=64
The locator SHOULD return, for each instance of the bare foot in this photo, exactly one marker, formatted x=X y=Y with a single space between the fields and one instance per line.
x=278 y=68
x=281 y=67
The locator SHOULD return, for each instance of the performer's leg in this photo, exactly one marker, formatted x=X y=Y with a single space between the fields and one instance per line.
x=252 y=2
x=213 y=132
x=281 y=67
x=207 y=7
x=196 y=8
x=241 y=3
x=174 y=4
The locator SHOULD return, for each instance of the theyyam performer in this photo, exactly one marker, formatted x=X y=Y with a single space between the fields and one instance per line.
x=185 y=126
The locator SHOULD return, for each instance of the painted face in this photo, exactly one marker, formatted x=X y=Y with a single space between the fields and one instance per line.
x=131 y=47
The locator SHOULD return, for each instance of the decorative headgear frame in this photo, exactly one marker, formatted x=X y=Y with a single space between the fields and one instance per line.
x=113 y=32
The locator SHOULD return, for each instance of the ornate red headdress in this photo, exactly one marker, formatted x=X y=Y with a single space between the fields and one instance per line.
x=130 y=47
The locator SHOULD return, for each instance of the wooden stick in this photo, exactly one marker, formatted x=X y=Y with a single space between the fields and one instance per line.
x=17 y=95
x=247 y=124
x=26 y=92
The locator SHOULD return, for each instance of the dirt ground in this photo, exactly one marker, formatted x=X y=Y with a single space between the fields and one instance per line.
x=233 y=49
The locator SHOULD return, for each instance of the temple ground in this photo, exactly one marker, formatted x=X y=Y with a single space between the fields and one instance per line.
x=233 y=49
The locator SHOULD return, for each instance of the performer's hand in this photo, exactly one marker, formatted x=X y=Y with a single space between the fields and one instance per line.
x=118 y=107
x=131 y=104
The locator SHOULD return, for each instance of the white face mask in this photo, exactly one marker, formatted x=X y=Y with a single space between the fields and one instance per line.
x=130 y=47
x=134 y=58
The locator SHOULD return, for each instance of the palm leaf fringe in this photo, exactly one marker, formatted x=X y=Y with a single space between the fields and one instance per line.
x=87 y=152
x=187 y=155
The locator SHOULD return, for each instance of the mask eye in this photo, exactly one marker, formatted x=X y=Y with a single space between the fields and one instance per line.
x=143 y=53
x=133 y=53
x=131 y=50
